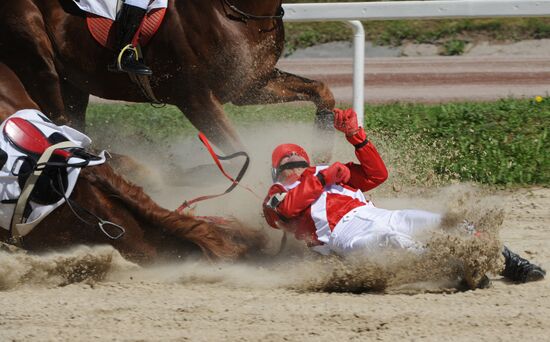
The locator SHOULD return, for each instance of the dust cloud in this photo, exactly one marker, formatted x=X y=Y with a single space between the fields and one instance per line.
x=80 y=264
x=452 y=258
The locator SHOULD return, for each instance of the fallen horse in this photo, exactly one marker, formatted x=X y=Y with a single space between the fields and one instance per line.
x=103 y=207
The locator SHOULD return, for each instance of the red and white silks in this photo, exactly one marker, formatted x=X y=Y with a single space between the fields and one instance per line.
x=365 y=228
x=337 y=217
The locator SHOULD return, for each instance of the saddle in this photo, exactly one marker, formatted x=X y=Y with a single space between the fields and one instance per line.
x=45 y=162
x=50 y=186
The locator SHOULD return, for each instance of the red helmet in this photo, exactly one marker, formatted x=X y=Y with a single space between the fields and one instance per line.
x=282 y=151
x=286 y=150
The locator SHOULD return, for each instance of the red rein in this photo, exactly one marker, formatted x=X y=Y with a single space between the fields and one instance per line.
x=234 y=181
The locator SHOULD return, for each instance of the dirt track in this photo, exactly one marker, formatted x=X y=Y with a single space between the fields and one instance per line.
x=431 y=79
x=199 y=302
x=248 y=303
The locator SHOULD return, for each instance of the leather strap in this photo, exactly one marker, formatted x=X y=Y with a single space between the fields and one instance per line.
x=18 y=228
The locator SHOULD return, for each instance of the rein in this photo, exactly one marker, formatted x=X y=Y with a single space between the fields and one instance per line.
x=247 y=16
x=234 y=181
x=101 y=223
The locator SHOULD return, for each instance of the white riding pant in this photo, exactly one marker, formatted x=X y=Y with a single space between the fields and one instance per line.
x=367 y=229
x=138 y=3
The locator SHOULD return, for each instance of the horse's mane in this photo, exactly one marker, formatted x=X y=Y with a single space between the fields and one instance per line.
x=216 y=241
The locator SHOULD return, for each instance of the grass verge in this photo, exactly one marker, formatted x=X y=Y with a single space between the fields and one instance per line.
x=439 y=32
x=499 y=143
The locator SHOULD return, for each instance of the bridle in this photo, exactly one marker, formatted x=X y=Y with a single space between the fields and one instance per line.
x=244 y=17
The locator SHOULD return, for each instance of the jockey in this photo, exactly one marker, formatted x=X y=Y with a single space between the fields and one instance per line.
x=325 y=206
x=129 y=24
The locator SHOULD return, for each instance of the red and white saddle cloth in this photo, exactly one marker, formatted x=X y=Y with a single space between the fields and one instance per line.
x=12 y=155
x=102 y=15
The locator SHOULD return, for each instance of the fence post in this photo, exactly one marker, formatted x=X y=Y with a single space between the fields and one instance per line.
x=358 y=70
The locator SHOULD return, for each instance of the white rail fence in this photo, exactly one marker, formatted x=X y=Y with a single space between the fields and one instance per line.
x=353 y=12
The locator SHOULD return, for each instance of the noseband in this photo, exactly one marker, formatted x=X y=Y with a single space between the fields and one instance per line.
x=244 y=17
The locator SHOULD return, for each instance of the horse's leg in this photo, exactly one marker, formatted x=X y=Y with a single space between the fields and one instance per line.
x=13 y=96
x=76 y=102
x=285 y=87
x=24 y=31
x=206 y=113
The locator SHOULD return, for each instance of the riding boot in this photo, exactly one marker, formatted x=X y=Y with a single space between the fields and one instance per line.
x=127 y=60
x=519 y=269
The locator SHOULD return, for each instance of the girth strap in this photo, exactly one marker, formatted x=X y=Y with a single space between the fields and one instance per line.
x=18 y=228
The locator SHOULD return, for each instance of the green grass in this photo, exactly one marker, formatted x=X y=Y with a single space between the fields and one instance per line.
x=500 y=143
x=397 y=32
x=454 y=47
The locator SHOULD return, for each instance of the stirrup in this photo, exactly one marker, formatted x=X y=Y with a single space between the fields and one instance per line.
x=102 y=223
x=124 y=49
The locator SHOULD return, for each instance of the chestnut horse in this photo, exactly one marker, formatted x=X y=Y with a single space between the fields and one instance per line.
x=152 y=232
x=13 y=96
x=206 y=53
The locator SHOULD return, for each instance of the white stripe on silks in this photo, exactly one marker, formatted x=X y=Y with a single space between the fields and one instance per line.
x=319 y=209
x=340 y=190
x=289 y=187
x=319 y=216
x=319 y=212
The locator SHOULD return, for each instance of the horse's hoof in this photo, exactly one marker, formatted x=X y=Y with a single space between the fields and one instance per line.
x=324 y=120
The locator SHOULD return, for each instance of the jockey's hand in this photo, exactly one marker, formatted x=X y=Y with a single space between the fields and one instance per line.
x=346 y=121
x=336 y=173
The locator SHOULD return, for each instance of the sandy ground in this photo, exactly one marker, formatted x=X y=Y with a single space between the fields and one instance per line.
x=275 y=301
x=198 y=302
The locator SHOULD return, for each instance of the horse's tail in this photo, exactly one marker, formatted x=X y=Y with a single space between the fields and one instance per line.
x=217 y=241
